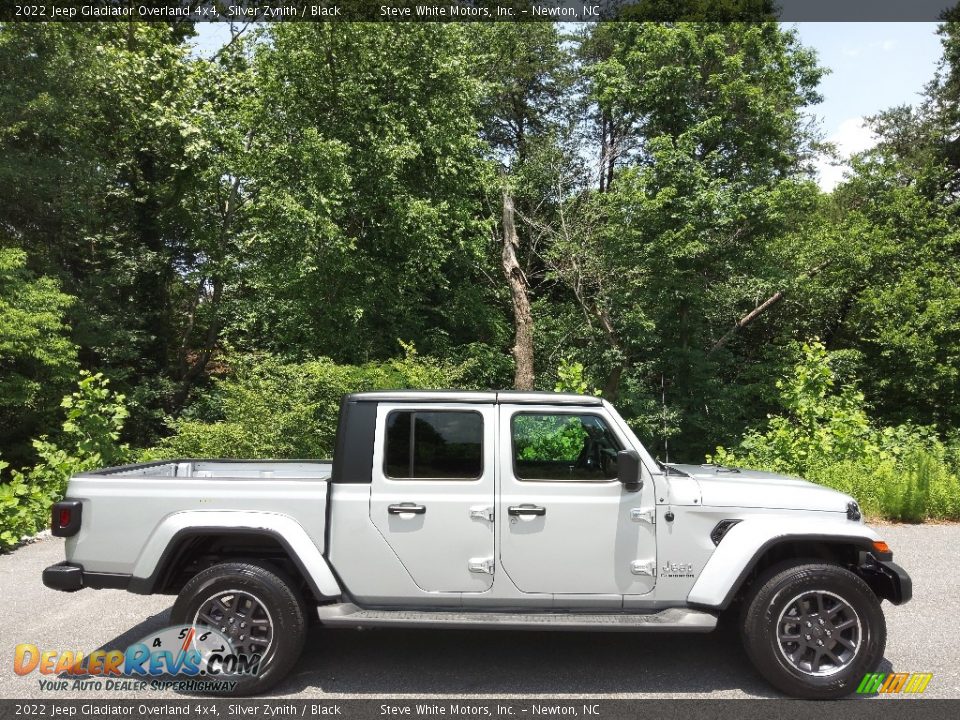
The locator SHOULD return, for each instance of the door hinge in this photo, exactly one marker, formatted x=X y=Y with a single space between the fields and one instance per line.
x=642 y=515
x=482 y=512
x=481 y=565
x=643 y=567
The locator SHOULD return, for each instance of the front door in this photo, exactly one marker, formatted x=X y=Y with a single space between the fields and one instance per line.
x=567 y=525
x=433 y=492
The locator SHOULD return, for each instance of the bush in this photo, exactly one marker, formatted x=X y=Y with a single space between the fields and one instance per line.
x=90 y=439
x=268 y=408
x=38 y=362
x=898 y=473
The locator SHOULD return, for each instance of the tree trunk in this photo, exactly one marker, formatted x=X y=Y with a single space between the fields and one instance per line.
x=196 y=369
x=612 y=154
x=604 y=151
x=611 y=388
x=193 y=372
x=522 y=318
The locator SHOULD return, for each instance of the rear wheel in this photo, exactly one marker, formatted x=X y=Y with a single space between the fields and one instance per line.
x=814 y=630
x=257 y=608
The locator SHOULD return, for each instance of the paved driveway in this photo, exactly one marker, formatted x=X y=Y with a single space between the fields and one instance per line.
x=923 y=636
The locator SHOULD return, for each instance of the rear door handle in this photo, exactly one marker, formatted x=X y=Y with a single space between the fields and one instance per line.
x=404 y=508
x=526 y=510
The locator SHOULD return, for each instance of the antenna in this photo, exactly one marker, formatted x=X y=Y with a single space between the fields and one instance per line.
x=663 y=414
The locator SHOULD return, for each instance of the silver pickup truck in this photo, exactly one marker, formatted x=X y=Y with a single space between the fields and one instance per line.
x=501 y=510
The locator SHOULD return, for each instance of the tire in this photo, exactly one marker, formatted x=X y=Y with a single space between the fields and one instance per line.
x=839 y=652
x=281 y=608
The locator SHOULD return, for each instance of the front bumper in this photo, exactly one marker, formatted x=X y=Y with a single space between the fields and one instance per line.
x=896 y=584
x=887 y=579
x=69 y=577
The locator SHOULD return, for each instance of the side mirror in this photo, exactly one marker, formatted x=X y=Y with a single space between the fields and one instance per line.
x=628 y=470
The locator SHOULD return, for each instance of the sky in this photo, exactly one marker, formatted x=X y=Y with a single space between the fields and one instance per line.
x=873 y=66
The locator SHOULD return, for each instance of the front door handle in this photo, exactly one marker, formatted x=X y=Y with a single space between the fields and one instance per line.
x=404 y=508
x=526 y=510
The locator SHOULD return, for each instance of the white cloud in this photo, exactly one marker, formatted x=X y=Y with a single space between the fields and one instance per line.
x=828 y=174
x=855 y=51
x=852 y=136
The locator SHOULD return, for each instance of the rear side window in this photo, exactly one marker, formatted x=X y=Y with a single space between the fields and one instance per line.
x=434 y=445
x=563 y=447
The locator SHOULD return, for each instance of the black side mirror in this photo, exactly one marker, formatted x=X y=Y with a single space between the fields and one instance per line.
x=628 y=470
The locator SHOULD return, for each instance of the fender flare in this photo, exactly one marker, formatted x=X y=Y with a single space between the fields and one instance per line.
x=745 y=543
x=290 y=534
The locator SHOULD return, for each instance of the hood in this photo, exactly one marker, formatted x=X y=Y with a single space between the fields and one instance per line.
x=733 y=487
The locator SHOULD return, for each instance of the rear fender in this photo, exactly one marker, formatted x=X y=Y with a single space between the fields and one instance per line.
x=288 y=532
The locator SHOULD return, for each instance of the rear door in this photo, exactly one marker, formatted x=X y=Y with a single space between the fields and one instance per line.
x=432 y=497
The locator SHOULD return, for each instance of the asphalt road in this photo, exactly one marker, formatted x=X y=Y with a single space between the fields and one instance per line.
x=923 y=636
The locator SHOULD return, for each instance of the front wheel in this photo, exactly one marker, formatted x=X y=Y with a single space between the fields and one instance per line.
x=257 y=609
x=814 y=630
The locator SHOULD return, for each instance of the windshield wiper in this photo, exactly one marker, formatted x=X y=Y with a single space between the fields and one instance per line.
x=721 y=468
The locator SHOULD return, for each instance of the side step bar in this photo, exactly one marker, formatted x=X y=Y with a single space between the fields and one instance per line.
x=669 y=620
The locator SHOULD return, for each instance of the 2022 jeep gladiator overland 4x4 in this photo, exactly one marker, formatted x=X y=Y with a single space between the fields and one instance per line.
x=490 y=510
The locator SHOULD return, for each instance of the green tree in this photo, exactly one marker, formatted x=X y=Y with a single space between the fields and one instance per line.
x=701 y=143
x=98 y=140
x=527 y=78
x=824 y=433
x=366 y=220
x=270 y=408
x=898 y=299
x=37 y=359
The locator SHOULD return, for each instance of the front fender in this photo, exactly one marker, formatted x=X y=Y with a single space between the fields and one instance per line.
x=287 y=531
x=746 y=542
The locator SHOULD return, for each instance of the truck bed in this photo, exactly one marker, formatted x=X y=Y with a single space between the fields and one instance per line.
x=223 y=469
x=140 y=503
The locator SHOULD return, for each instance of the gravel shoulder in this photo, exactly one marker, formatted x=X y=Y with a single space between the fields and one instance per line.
x=923 y=636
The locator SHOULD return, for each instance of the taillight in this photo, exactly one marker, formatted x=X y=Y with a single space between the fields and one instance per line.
x=65 y=518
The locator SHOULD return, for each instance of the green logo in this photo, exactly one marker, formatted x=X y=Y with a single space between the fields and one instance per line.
x=894 y=683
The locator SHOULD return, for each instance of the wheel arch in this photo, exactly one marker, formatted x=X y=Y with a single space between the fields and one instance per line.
x=181 y=548
x=748 y=549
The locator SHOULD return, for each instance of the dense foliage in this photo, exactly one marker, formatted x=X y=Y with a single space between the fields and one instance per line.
x=89 y=438
x=37 y=360
x=902 y=472
x=270 y=408
x=236 y=240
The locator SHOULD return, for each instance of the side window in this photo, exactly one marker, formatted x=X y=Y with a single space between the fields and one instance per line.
x=434 y=445
x=563 y=447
